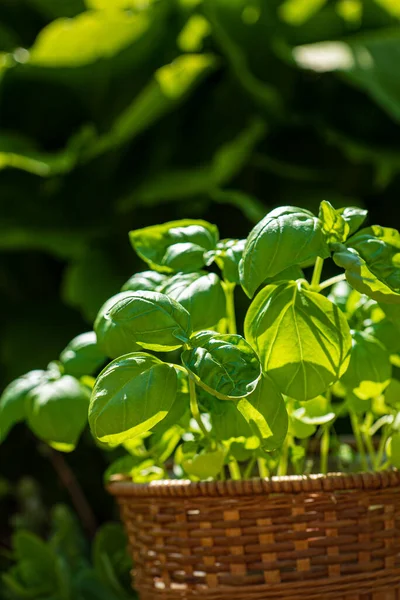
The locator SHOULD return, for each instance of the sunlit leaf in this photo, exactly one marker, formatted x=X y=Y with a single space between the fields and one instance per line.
x=286 y=237
x=303 y=340
x=82 y=355
x=224 y=365
x=132 y=394
x=369 y=371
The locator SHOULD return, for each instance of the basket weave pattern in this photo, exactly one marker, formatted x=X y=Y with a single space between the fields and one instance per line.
x=319 y=537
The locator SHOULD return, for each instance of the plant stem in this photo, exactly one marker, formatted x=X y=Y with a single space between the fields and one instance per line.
x=229 y=289
x=325 y=443
x=70 y=482
x=316 y=276
x=381 y=448
x=249 y=469
x=234 y=468
x=367 y=437
x=357 y=434
x=262 y=468
x=194 y=407
x=328 y=282
x=283 y=461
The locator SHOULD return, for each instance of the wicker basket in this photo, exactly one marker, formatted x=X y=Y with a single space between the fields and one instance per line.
x=335 y=536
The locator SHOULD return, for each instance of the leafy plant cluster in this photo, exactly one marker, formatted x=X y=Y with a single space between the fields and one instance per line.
x=185 y=395
x=96 y=130
x=64 y=567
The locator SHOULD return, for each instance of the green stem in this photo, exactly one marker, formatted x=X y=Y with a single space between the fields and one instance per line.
x=381 y=448
x=316 y=276
x=229 y=289
x=284 y=459
x=367 y=437
x=328 y=282
x=249 y=469
x=194 y=407
x=357 y=434
x=325 y=443
x=262 y=468
x=234 y=468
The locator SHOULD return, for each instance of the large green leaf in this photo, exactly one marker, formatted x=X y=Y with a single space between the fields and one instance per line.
x=369 y=371
x=372 y=263
x=131 y=395
x=148 y=319
x=201 y=294
x=109 y=338
x=179 y=413
x=149 y=281
x=13 y=400
x=286 y=237
x=265 y=412
x=175 y=246
x=224 y=365
x=86 y=38
x=303 y=339
x=82 y=356
x=57 y=411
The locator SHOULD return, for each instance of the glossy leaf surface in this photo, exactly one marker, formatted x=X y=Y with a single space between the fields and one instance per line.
x=286 y=237
x=303 y=339
x=132 y=394
x=372 y=263
x=148 y=319
x=82 y=356
x=175 y=246
x=224 y=365
x=369 y=371
x=57 y=411
x=201 y=294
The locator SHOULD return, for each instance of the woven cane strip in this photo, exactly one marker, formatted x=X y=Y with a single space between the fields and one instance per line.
x=333 y=537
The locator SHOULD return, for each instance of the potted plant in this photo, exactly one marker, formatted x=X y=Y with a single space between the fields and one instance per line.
x=229 y=438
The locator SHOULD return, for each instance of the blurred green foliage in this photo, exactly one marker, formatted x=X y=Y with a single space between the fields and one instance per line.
x=116 y=114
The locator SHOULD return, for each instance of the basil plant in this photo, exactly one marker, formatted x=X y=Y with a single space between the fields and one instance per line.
x=184 y=395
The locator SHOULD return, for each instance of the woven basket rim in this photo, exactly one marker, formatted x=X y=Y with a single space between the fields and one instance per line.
x=292 y=484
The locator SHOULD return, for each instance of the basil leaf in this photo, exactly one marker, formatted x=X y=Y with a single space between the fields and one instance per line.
x=175 y=246
x=286 y=237
x=82 y=356
x=57 y=411
x=13 y=400
x=149 y=281
x=370 y=370
x=392 y=394
x=354 y=216
x=372 y=263
x=227 y=421
x=205 y=464
x=387 y=333
x=223 y=365
x=201 y=294
x=317 y=411
x=109 y=339
x=147 y=319
x=131 y=395
x=335 y=227
x=303 y=339
x=265 y=412
x=179 y=413
x=228 y=255
x=300 y=429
